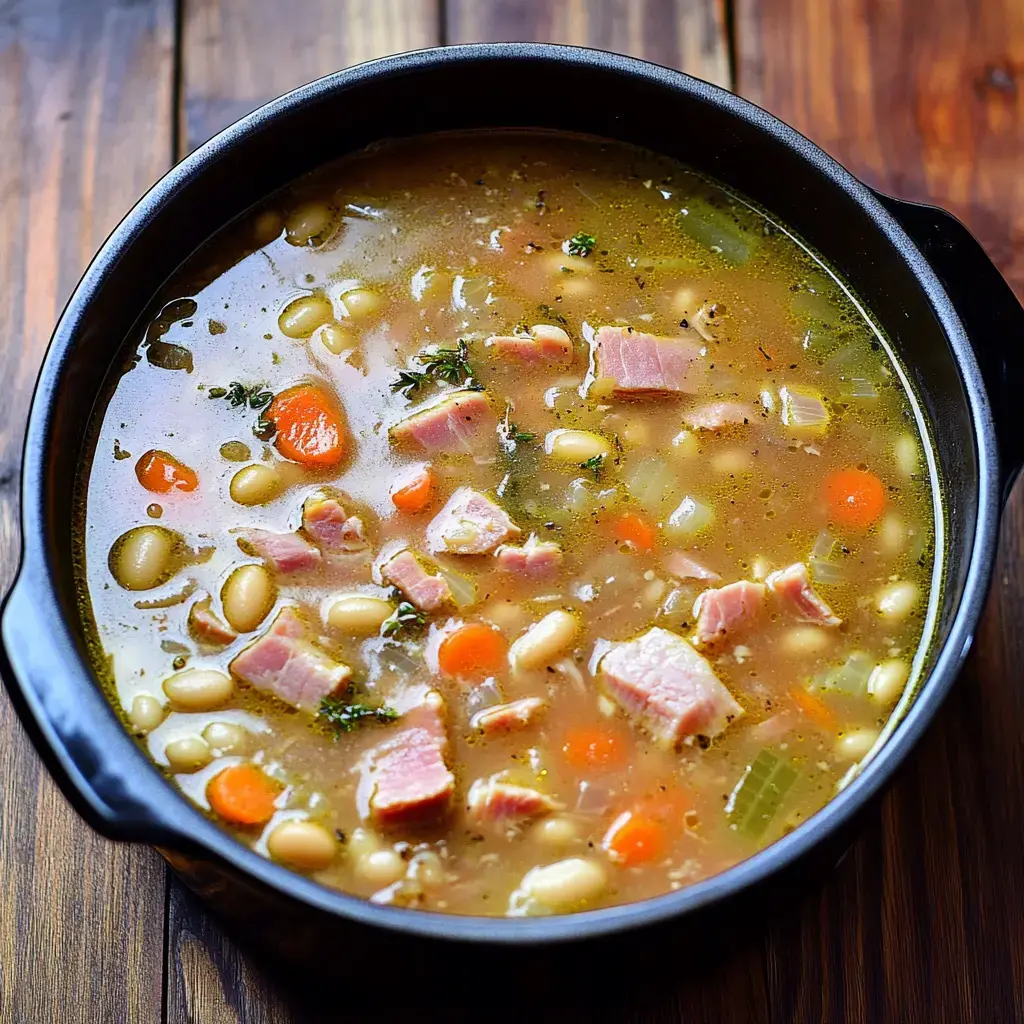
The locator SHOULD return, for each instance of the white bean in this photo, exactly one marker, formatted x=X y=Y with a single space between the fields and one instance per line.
x=247 y=597
x=686 y=445
x=855 y=744
x=361 y=303
x=888 y=679
x=564 y=884
x=142 y=558
x=336 y=339
x=146 y=713
x=805 y=639
x=380 y=868
x=892 y=534
x=198 y=689
x=256 y=484
x=226 y=737
x=544 y=641
x=897 y=600
x=555 y=832
x=731 y=461
x=303 y=845
x=576 y=446
x=509 y=616
x=302 y=316
x=308 y=222
x=906 y=454
x=358 y=615
x=188 y=754
x=362 y=841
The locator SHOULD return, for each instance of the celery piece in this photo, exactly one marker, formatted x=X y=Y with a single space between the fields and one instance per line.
x=850 y=678
x=758 y=794
x=717 y=230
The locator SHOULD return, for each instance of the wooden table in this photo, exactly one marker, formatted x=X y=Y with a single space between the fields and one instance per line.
x=924 y=921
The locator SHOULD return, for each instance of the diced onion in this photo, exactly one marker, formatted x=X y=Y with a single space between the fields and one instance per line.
x=859 y=387
x=652 y=482
x=689 y=518
x=463 y=589
x=850 y=678
x=801 y=409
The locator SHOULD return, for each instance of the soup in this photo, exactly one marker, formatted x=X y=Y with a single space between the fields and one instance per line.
x=507 y=524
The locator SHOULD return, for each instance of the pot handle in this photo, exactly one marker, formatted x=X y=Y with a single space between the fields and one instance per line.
x=990 y=313
x=90 y=755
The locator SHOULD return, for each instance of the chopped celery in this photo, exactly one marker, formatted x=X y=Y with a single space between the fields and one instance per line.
x=850 y=678
x=717 y=230
x=760 y=791
x=652 y=482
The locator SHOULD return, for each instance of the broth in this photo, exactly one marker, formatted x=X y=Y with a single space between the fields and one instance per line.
x=665 y=432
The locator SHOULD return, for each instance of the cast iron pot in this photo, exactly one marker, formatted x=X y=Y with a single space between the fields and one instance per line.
x=952 y=321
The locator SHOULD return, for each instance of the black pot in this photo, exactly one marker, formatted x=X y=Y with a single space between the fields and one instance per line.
x=954 y=325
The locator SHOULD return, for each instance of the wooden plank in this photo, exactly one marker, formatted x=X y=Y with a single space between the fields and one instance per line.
x=86 y=123
x=685 y=34
x=927 y=102
x=237 y=54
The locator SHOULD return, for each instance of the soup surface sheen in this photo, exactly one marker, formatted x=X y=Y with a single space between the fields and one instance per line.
x=507 y=524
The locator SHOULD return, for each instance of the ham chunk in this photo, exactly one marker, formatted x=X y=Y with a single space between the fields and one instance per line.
x=324 y=520
x=544 y=345
x=664 y=685
x=793 y=588
x=511 y=717
x=537 y=559
x=283 y=663
x=469 y=524
x=491 y=800
x=683 y=567
x=458 y=423
x=404 y=780
x=719 y=415
x=282 y=552
x=207 y=628
x=644 y=363
x=404 y=571
x=727 y=609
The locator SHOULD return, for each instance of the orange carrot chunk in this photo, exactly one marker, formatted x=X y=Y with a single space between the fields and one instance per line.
x=414 y=492
x=309 y=426
x=473 y=651
x=161 y=473
x=814 y=708
x=633 y=530
x=243 y=795
x=855 y=497
x=593 y=747
x=634 y=838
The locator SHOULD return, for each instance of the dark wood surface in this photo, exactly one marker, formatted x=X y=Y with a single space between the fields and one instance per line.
x=924 y=920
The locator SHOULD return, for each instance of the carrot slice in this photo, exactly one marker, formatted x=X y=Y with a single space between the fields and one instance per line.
x=243 y=795
x=309 y=426
x=855 y=497
x=634 y=838
x=475 y=650
x=635 y=531
x=593 y=747
x=161 y=473
x=814 y=708
x=415 y=492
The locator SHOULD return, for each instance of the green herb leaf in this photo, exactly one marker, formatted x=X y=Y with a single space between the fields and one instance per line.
x=217 y=392
x=594 y=465
x=258 y=401
x=758 y=794
x=346 y=717
x=264 y=429
x=448 y=364
x=405 y=620
x=409 y=381
x=581 y=244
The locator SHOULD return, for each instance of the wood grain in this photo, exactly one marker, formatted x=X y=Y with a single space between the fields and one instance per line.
x=237 y=54
x=923 y=922
x=85 y=119
x=686 y=34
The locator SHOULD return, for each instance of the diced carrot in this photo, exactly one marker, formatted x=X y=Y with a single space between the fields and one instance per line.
x=814 y=708
x=634 y=530
x=414 y=492
x=160 y=473
x=309 y=426
x=855 y=497
x=243 y=795
x=634 y=838
x=593 y=747
x=473 y=651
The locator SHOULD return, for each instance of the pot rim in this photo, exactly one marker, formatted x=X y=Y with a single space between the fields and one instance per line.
x=201 y=832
